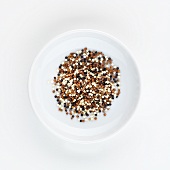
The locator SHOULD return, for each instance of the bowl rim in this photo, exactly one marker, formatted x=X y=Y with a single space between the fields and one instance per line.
x=30 y=82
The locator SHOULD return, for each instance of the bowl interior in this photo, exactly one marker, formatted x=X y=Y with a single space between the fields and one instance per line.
x=44 y=68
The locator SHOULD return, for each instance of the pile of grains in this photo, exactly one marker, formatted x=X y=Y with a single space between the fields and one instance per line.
x=86 y=84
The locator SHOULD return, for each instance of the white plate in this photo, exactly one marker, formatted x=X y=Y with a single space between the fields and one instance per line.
x=44 y=104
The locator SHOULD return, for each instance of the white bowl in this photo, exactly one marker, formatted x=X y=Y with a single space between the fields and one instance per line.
x=44 y=104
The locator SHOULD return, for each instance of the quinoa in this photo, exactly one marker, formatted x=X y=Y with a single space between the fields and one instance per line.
x=86 y=84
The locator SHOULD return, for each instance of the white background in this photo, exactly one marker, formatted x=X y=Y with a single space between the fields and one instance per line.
x=26 y=26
